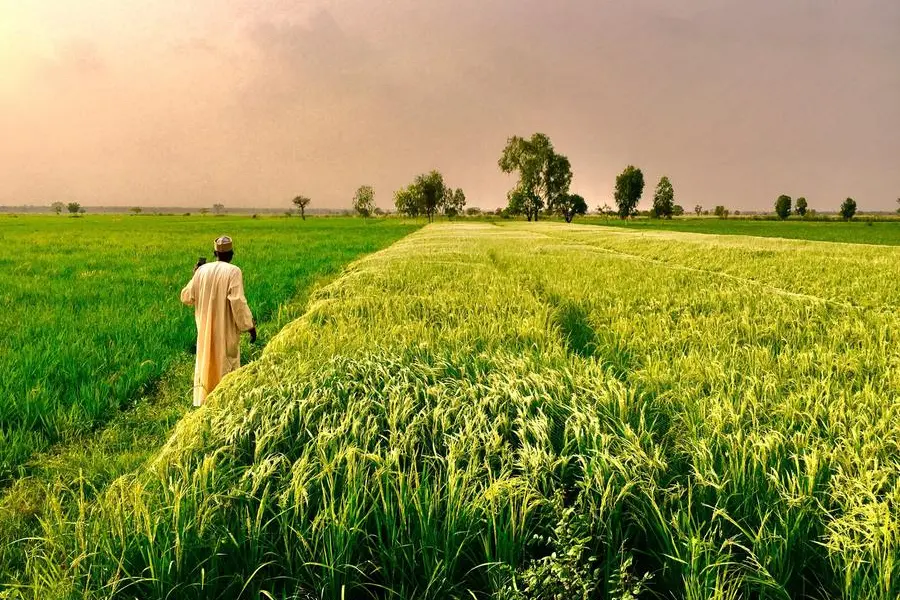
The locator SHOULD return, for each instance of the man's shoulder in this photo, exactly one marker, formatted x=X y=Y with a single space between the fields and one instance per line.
x=229 y=268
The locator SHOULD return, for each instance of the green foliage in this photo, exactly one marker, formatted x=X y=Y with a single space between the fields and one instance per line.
x=406 y=202
x=522 y=201
x=801 y=207
x=664 y=199
x=571 y=205
x=364 y=201
x=721 y=212
x=848 y=209
x=544 y=175
x=698 y=209
x=218 y=209
x=427 y=195
x=73 y=207
x=57 y=207
x=454 y=202
x=783 y=206
x=92 y=315
x=301 y=202
x=629 y=188
x=678 y=210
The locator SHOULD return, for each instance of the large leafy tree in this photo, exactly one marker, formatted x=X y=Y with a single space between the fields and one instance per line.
x=801 y=206
x=570 y=205
x=848 y=208
x=544 y=175
x=364 y=200
x=629 y=187
x=57 y=207
x=301 y=202
x=783 y=206
x=664 y=199
x=73 y=207
x=427 y=196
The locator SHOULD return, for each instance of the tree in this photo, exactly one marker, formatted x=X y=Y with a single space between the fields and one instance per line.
x=82 y=210
x=721 y=212
x=629 y=187
x=301 y=202
x=73 y=207
x=698 y=209
x=605 y=210
x=801 y=207
x=544 y=175
x=406 y=202
x=364 y=201
x=522 y=201
x=432 y=192
x=473 y=211
x=677 y=210
x=848 y=209
x=218 y=208
x=57 y=207
x=783 y=206
x=570 y=205
x=454 y=203
x=136 y=210
x=664 y=199
x=898 y=205
x=427 y=195
x=204 y=211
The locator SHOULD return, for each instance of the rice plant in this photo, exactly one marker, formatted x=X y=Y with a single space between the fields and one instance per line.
x=531 y=411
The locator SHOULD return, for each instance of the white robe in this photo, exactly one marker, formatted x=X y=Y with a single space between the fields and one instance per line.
x=217 y=294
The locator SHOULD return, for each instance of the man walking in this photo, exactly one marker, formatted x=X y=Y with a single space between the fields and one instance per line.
x=216 y=291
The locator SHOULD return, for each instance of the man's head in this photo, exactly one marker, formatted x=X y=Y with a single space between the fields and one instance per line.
x=223 y=248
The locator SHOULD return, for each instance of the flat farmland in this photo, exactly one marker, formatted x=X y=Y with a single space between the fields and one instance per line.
x=884 y=231
x=90 y=309
x=531 y=411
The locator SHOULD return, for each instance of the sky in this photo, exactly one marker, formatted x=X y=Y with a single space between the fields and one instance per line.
x=249 y=103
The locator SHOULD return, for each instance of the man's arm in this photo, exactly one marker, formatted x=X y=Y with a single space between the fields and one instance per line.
x=187 y=294
x=243 y=318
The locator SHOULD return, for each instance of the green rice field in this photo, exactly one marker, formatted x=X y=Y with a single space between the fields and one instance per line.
x=520 y=411
x=91 y=315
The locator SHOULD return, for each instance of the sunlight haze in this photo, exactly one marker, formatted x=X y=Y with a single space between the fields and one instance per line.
x=173 y=103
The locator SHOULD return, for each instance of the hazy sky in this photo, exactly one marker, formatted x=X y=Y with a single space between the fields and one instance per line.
x=176 y=102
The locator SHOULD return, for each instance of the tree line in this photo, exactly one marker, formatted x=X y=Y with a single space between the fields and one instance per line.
x=544 y=177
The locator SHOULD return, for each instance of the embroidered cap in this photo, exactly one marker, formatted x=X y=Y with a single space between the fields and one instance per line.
x=223 y=244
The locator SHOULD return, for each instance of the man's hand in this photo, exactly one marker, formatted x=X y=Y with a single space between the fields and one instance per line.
x=252 y=332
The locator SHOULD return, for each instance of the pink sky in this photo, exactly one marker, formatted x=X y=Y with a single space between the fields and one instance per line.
x=169 y=102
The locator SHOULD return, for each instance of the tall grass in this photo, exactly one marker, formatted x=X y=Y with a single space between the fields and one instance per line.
x=531 y=411
x=91 y=315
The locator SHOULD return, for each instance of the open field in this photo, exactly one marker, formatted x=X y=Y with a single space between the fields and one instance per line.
x=91 y=314
x=885 y=232
x=531 y=411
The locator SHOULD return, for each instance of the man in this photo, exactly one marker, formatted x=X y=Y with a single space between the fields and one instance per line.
x=216 y=291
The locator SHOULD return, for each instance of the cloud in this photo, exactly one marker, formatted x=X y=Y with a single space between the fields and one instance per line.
x=250 y=103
